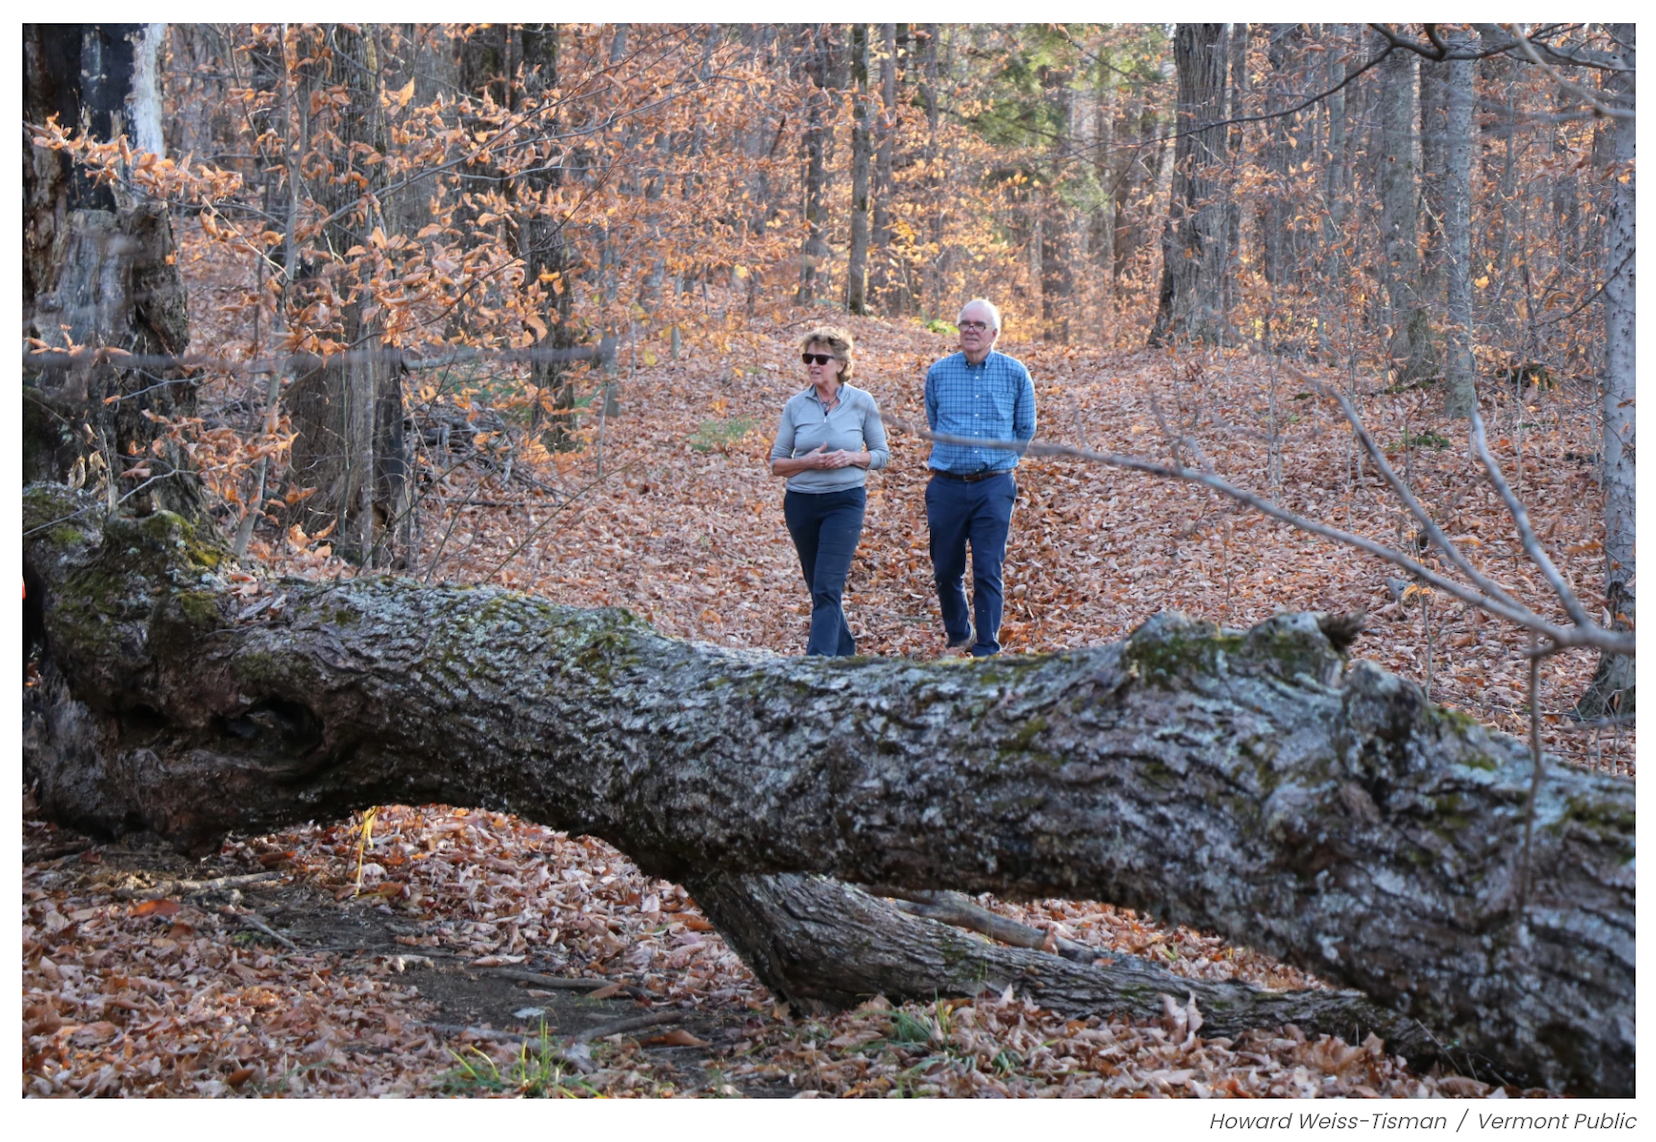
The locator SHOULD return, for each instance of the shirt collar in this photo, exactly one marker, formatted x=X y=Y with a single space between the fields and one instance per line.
x=842 y=393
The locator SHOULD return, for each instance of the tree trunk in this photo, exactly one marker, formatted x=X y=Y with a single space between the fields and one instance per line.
x=1435 y=80
x=1193 y=243
x=1101 y=240
x=348 y=416
x=856 y=271
x=1056 y=244
x=1460 y=395
x=1410 y=343
x=885 y=284
x=932 y=300
x=813 y=260
x=543 y=241
x=1129 y=219
x=1237 y=210
x=1276 y=218
x=99 y=272
x=1337 y=171
x=1612 y=688
x=1241 y=782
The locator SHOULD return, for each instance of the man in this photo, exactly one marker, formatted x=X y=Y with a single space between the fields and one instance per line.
x=988 y=396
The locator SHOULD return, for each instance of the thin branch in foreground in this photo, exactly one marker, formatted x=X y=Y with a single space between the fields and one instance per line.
x=1526 y=533
x=1589 y=635
x=1521 y=38
x=1416 y=509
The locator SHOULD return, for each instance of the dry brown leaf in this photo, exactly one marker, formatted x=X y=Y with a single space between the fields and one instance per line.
x=678 y=1037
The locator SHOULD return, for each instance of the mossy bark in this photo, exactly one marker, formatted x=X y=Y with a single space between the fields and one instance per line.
x=1244 y=782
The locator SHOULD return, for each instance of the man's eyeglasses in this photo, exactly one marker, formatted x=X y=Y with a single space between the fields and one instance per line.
x=974 y=326
x=816 y=358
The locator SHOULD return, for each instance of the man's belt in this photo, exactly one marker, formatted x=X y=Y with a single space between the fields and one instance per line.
x=971 y=477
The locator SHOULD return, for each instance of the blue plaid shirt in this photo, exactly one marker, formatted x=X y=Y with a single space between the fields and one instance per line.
x=992 y=401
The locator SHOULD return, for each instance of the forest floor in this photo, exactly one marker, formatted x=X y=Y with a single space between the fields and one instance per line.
x=142 y=978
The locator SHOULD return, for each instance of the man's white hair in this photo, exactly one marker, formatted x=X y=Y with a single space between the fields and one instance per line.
x=994 y=311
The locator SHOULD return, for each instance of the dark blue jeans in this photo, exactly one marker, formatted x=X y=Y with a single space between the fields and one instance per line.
x=979 y=513
x=825 y=527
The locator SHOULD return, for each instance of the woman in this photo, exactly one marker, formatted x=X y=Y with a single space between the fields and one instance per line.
x=829 y=438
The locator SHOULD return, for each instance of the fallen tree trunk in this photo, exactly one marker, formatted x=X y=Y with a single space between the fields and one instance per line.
x=820 y=943
x=1247 y=783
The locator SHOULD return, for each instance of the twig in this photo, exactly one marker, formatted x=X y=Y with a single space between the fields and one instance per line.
x=954 y=908
x=454 y=522
x=168 y=887
x=1416 y=509
x=56 y=851
x=561 y=982
x=259 y=925
x=631 y=1023
x=1596 y=724
x=395 y=356
x=600 y=1031
x=1532 y=545
x=1523 y=43
x=574 y=1049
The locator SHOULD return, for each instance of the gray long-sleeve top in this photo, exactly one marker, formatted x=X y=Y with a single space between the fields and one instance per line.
x=854 y=425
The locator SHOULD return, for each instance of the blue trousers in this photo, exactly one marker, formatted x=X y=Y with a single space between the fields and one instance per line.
x=825 y=527
x=979 y=513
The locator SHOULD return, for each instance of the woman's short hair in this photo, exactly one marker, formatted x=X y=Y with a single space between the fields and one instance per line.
x=839 y=342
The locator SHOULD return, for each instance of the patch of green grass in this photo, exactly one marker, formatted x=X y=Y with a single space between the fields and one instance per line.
x=906 y=1028
x=720 y=435
x=938 y=325
x=1421 y=440
x=537 y=1073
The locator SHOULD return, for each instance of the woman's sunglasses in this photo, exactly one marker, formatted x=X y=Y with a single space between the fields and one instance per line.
x=816 y=358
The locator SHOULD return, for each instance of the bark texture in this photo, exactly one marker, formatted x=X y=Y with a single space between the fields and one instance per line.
x=1612 y=690
x=1193 y=244
x=856 y=268
x=348 y=416
x=1460 y=391
x=98 y=272
x=814 y=253
x=823 y=944
x=1412 y=347
x=1244 y=782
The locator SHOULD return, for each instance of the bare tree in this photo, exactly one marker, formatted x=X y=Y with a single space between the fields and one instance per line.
x=856 y=271
x=819 y=65
x=886 y=286
x=1410 y=343
x=348 y=414
x=1612 y=688
x=1460 y=395
x=1193 y=243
